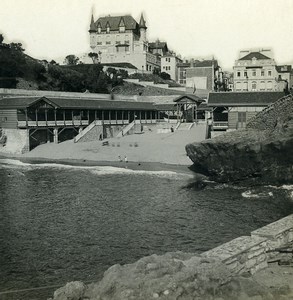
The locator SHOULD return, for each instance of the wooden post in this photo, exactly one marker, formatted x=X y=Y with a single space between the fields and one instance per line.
x=122 y=112
x=116 y=116
x=102 y=124
x=72 y=118
x=36 y=117
x=88 y=115
x=64 y=116
x=140 y=116
x=26 y=118
x=55 y=117
x=109 y=116
x=55 y=135
x=46 y=117
x=95 y=117
x=128 y=116
x=151 y=113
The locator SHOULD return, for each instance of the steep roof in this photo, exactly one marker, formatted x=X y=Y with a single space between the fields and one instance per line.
x=243 y=98
x=158 y=45
x=206 y=63
x=74 y=103
x=284 y=69
x=142 y=22
x=257 y=55
x=114 y=22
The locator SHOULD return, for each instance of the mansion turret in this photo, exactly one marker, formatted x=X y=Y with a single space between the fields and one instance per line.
x=120 y=39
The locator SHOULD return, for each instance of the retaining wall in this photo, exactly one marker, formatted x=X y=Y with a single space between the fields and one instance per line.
x=275 y=113
x=251 y=253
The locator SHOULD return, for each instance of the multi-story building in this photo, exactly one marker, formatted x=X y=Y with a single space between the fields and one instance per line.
x=203 y=77
x=169 y=64
x=120 y=39
x=257 y=71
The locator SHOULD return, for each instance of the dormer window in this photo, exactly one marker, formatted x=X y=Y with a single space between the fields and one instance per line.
x=121 y=25
x=99 y=28
x=108 y=27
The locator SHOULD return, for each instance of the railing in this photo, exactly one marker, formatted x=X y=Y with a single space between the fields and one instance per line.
x=220 y=125
x=116 y=122
x=52 y=123
x=87 y=129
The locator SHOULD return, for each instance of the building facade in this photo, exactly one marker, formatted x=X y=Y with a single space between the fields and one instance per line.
x=257 y=71
x=120 y=39
x=169 y=64
x=203 y=77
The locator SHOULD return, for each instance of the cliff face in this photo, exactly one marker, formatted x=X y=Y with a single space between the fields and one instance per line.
x=263 y=151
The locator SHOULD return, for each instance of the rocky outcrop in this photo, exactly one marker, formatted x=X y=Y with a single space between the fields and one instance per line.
x=262 y=151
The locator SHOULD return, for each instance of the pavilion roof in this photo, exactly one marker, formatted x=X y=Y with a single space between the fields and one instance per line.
x=74 y=103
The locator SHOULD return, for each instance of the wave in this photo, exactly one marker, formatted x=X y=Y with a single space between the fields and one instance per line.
x=251 y=194
x=95 y=170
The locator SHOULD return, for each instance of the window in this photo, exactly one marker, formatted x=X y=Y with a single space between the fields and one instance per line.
x=108 y=43
x=253 y=86
x=99 y=43
x=253 y=73
x=245 y=74
x=269 y=73
x=108 y=28
x=262 y=73
x=262 y=86
x=238 y=74
x=126 y=42
x=99 y=29
x=122 y=29
x=118 y=43
x=269 y=86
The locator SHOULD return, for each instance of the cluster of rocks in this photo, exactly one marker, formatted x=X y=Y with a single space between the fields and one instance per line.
x=262 y=152
x=173 y=276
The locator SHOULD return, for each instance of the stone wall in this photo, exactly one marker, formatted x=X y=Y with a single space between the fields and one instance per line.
x=214 y=274
x=251 y=253
x=271 y=116
x=92 y=135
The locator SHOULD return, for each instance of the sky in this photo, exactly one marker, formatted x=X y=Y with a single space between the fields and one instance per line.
x=52 y=29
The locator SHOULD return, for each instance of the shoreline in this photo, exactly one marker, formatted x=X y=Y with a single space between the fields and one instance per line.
x=132 y=165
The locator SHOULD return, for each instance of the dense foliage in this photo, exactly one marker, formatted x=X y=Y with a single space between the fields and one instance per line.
x=73 y=77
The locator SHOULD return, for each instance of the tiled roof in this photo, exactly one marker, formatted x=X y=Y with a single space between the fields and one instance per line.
x=129 y=22
x=284 y=69
x=251 y=55
x=158 y=45
x=75 y=103
x=243 y=98
x=191 y=97
x=166 y=106
x=206 y=63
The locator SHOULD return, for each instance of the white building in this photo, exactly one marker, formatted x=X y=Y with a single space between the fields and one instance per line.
x=120 y=39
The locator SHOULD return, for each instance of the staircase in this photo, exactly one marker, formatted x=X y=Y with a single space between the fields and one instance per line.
x=126 y=129
x=86 y=130
x=185 y=126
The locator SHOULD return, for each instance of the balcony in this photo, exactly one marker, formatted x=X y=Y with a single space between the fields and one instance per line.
x=24 y=124
x=220 y=125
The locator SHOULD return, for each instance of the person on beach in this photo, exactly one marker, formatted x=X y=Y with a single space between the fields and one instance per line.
x=125 y=159
x=119 y=157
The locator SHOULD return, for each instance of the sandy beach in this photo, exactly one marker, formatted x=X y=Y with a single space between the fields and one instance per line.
x=138 y=149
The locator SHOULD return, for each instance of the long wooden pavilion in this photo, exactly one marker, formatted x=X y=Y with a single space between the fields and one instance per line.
x=53 y=119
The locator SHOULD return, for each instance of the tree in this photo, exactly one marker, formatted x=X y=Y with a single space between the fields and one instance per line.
x=165 y=76
x=94 y=56
x=1 y=38
x=71 y=60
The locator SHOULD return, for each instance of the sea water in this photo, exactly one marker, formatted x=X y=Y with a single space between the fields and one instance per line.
x=61 y=223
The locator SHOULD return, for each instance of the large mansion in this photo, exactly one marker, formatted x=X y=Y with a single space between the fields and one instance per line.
x=258 y=71
x=120 y=39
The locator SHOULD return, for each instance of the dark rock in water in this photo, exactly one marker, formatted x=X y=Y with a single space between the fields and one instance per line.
x=261 y=153
x=196 y=185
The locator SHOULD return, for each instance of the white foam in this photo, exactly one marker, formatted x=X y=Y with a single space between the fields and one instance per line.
x=95 y=170
x=250 y=194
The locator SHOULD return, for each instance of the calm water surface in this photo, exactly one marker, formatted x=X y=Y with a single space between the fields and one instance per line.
x=62 y=223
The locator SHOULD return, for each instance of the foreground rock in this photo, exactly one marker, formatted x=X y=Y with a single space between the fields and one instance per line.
x=171 y=276
x=262 y=151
